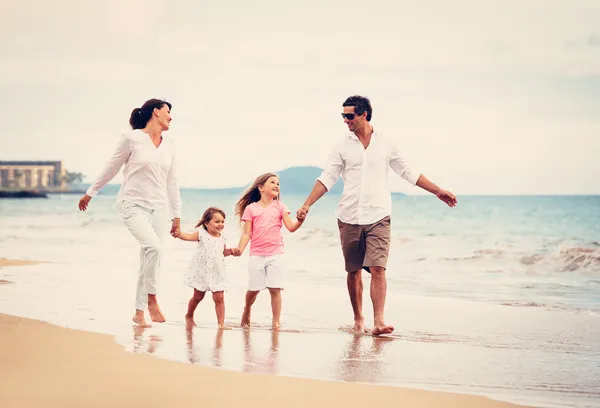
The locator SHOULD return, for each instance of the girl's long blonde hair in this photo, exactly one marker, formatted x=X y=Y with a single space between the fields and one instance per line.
x=207 y=216
x=252 y=194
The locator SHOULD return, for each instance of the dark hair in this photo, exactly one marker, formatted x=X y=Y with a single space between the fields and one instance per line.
x=361 y=105
x=207 y=216
x=252 y=194
x=140 y=116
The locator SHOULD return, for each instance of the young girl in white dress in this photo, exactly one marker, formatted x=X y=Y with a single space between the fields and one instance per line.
x=207 y=272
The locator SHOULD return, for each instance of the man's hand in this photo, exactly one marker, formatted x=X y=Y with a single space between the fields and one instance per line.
x=235 y=252
x=176 y=233
x=302 y=213
x=175 y=226
x=83 y=202
x=447 y=197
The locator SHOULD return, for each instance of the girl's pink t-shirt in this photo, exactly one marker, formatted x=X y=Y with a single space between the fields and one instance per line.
x=266 y=238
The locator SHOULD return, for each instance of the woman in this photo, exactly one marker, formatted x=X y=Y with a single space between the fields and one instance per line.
x=148 y=191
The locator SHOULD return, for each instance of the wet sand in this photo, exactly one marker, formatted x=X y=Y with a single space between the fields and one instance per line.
x=46 y=365
x=16 y=262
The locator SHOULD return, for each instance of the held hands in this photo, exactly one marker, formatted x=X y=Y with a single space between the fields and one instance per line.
x=302 y=213
x=447 y=197
x=176 y=226
x=176 y=233
x=235 y=251
x=83 y=202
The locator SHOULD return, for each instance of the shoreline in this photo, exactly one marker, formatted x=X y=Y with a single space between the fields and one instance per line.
x=69 y=367
x=14 y=262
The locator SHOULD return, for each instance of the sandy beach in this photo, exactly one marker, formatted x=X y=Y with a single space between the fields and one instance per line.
x=74 y=368
x=46 y=365
x=481 y=315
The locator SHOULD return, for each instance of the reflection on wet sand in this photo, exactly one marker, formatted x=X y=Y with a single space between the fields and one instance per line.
x=189 y=340
x=217 y=349
x=138 y=340
x=362 y=360
x=253 y=362
x=192 y=358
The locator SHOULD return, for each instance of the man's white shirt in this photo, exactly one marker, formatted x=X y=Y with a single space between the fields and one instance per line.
x=365 y=172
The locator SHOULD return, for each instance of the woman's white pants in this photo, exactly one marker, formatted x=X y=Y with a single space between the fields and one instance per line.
x=149 y=227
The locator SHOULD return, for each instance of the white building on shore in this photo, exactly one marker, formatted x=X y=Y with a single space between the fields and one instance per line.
x=32 y=174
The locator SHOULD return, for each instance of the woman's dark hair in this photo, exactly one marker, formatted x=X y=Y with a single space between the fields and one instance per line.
x=140 y=116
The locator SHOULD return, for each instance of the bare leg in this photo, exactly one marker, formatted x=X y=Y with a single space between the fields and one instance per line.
x=276 y=307
x=139 y=319
x=355 y=290
x=155 y=313
x=220 y=308
x=250 y=298
x=378 y=292
x=192 y=305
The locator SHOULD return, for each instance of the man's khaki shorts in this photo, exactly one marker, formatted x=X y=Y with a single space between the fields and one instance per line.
x=365 y=246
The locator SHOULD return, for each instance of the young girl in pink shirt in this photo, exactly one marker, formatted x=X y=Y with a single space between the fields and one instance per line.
x=263 y=214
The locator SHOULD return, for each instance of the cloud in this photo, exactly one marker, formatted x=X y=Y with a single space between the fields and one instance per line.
x=465 y=82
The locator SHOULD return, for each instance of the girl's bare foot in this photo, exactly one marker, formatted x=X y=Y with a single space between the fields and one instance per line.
x=276 y=326
x=246 y=318
x=139 y=319
x=189 y=321
x=155 y=313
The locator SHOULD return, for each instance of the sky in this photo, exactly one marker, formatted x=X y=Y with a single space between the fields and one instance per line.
x=483 y=97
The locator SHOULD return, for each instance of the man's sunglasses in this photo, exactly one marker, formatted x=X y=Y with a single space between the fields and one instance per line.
x=348 y=116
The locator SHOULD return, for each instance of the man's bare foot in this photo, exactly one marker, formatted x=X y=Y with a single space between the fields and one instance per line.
x=139 y=319
x=189 y=321
x=378 y=330
x=153 y=343
x=276 y=326
x=359 y=327
x=155 y=313
x=246 y=318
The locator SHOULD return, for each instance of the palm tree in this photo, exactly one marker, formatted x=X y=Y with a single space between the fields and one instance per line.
x=71 y=178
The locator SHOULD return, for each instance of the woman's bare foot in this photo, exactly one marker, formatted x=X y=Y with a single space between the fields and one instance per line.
x=155 y=313
x=139 y=319
x=383 y=329
x=223 y=327
x=246 y=318
x=189 y=321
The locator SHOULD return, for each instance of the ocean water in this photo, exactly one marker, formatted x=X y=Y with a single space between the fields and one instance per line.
x=499 y=296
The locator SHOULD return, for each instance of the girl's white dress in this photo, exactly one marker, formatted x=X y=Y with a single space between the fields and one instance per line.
x=206 y=272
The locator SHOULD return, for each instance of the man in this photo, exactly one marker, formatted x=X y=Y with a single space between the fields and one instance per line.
x=363 y=159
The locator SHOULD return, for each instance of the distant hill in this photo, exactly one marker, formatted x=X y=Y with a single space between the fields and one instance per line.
x=293 y=181
x=301 y=180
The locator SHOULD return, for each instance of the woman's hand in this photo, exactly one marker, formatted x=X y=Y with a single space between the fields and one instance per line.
x=83 y=202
